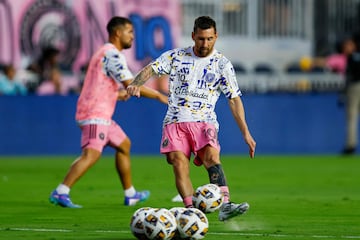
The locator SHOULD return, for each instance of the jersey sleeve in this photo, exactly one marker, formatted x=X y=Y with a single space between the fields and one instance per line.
x=116 y=67
x=228 y=83
x=162 y=65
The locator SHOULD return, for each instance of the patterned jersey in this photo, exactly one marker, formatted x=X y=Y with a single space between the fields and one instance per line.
x=195 y=84
x=97 y=100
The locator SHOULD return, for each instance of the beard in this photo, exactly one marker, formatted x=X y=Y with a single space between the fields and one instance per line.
x=203 y=52
x=126 y=45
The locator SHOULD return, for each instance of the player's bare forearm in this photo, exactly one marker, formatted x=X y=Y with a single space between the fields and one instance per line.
x=151 y=93
x=237 y=110
x=145 y=74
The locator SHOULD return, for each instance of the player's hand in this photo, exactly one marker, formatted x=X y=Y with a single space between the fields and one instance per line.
x=251 y=143
x=123 y=95
x=133 y=90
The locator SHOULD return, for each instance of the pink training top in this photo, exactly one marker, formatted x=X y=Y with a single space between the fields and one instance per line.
x=97 y=100
x=337 y=63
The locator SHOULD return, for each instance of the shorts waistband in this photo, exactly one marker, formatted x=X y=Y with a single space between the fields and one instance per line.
x=94 y=121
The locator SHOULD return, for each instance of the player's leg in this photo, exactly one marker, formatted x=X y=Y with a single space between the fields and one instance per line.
x=60 y=196
x=80 y=166
x=122 y=163
x=209 y=154
x=122 y=145
x=210 y=157
x=93 y=140
x=181 y=169
x=175 y=145
x=211 y=160
x=352 y=116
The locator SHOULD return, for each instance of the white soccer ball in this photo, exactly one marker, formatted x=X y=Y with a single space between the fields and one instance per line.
x=193 y=224
x=137 y=222
x=176 y=211
x=160 y=224
x=208 y=198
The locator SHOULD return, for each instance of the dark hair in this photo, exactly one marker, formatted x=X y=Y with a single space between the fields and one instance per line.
x=7 y=68
x=116 y=22
x=356 y=38
x=49 y=52
x=204 y=22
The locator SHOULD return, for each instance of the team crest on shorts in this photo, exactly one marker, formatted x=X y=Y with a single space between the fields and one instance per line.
x=102 y=136
x=165 y=143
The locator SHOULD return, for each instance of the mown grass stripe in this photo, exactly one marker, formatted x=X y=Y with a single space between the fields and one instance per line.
x=210 y=233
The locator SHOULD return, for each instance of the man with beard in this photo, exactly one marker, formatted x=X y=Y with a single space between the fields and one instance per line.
x=106 y=73
x=197 y=77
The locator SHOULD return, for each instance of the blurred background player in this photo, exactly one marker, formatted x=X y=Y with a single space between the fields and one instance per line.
x=46 y=67
x=107 y=71
x=352 y=99
x=336 y=62
x=9 y=85
x=197 y=77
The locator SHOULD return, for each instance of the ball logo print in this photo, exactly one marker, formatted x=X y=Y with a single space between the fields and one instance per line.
x=177 y=211
x=208 y=198
x=137 y=222
x=151 y=222
x=193 y=224
x=160 y=224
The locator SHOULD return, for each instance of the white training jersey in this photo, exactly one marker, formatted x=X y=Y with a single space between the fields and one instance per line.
x=195 y=84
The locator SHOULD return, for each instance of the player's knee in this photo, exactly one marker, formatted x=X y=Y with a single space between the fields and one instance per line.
x=91 y=153
x=177 y=160
x=209 y=156
x=89 y=156
x=211 y=160
x=125 y=147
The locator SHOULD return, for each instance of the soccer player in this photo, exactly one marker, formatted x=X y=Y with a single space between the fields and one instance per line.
x=352 y=98
x=197 y=77
x=107 y=71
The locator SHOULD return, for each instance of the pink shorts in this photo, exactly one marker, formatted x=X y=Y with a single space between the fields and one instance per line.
x=188 y=137
x=97 y=136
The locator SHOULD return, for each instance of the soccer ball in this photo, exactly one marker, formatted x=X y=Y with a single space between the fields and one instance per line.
x=160 y=224
x=193 y=224
x=137 y=222
x=176 y=211
x=208 y=198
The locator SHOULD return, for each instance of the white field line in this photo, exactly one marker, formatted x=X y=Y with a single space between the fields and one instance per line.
x=210 y=233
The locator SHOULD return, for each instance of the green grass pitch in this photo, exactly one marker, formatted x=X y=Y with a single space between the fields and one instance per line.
x=290 y=197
